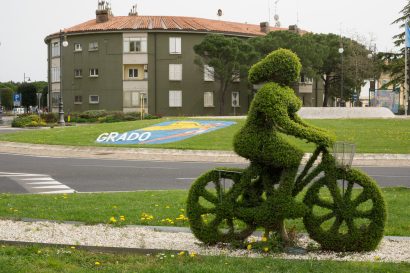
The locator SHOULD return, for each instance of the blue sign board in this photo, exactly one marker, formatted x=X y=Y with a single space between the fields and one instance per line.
x=17 y=99
x=165 y=132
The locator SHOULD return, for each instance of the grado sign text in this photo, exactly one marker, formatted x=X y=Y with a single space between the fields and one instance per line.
x=115 y=137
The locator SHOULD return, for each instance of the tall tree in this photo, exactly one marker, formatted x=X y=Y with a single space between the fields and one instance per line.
x=6 y=98
x=28 y=93
x=320 y=58
x=395 y=63
x=228 y=57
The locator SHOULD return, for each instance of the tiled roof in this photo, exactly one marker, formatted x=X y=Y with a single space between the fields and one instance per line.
x=168 y=23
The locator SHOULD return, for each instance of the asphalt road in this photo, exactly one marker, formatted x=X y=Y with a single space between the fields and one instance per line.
x=30 y=174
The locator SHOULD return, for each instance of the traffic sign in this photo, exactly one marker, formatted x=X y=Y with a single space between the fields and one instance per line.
x=17 y=99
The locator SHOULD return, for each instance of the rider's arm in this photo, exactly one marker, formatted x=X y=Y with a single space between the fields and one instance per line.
x=289 y=126
x=297 y=119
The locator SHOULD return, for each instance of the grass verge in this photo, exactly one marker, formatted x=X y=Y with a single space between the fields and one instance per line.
x=370 y=135
x=157 y=208
x=37 y=259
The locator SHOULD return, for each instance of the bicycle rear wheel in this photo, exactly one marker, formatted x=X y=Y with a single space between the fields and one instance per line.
x=345 y=220
x=211 y=205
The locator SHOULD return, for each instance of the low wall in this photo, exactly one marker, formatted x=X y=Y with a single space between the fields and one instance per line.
x=344 y=112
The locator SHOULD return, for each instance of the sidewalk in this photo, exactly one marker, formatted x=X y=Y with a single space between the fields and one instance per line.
x=386 y=160
x=150 y=240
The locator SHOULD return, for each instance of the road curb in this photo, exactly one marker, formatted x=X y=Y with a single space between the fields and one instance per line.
x=153 y=154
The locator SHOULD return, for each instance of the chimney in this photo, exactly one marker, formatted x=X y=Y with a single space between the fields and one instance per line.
x=103 y=12
x=294 y=28
x=265 y=27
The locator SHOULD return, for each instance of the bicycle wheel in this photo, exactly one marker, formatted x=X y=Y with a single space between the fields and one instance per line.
x=345 y=220
x=211 y=205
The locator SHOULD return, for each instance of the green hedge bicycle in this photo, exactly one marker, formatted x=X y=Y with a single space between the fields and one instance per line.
x=226 y=205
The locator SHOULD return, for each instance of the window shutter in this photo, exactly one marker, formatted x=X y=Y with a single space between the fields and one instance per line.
x=177 y=45
x=143 y=45
x=171 y=45
x=171 y=72
x=126 y=45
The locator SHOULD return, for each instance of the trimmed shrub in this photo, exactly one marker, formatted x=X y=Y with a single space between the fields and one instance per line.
x=263 y=195
x=28 y=121
x=281 y=66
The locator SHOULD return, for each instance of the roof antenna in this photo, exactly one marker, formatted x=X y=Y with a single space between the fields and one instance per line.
x=133 y=11
x=219 y=14
x=276 y=16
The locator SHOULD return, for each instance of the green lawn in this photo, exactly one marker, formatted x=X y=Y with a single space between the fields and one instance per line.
x=370 y=135
x=42 y=260
x=165 y=207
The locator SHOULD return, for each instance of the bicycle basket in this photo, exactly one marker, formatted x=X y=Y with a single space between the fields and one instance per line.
x=343 y=153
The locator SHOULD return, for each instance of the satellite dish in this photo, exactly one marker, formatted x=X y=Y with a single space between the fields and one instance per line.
x=219 y=13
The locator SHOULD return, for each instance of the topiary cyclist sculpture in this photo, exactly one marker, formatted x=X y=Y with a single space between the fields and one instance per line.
x=263 y=195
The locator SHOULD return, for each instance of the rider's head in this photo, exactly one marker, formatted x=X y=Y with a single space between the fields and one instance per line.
x=281 y=66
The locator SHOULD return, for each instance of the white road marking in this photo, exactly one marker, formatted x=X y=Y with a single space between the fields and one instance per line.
x=38 y=183
x=39 y=179
x=53 y=187
x=186 y=178
x=45 y=183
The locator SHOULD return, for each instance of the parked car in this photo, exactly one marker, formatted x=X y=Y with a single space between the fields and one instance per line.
x=18 y=110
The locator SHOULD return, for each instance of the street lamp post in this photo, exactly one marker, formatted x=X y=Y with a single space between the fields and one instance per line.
x=24 y=79
x=372 y=56
x=341 y=50
x=63 y=43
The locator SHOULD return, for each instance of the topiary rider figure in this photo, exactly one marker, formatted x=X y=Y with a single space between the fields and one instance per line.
x=273 y=158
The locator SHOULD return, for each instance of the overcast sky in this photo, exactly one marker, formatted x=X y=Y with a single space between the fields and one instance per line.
x=25 y=23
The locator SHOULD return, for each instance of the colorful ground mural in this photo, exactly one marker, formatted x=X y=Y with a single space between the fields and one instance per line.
x=165 y=132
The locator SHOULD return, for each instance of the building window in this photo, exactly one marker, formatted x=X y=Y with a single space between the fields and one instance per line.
x=78 y=99
x=78 y=73
x=94 y=72
x=235 y=99
x=236 y=76
x=55 y=49
x=145 y=71
x=305 y=80
x=208 y=99
x=209 y=73
x=175 y=72
x=133 y=73
x=94 y=99
x=174 y=45
x=93 y=46
x=77 y=47
x=135 y=45
x=55 y=74
x=175 y=98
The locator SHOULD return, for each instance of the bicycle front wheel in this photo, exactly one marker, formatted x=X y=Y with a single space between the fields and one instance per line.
x=350 y=218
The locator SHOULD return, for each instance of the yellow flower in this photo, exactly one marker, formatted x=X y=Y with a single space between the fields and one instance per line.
x=38 y=251
x=182 y=253
x=114 y=207
x=167 y=207
x=192 y=254
x=266 y=249
x=113 y=220
x=73 y=247
x=377 y=258
x=182 y=210
x=249 y=247
x=156 y=205
x=122 y=218
x=264 y=239
x=97 y=263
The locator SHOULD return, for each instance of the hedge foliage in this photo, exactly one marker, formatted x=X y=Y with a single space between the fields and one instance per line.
x=281 y=66
x=263 y=195
x=28 y=121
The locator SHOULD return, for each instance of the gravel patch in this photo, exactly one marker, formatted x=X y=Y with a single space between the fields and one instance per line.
x=390 y=249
